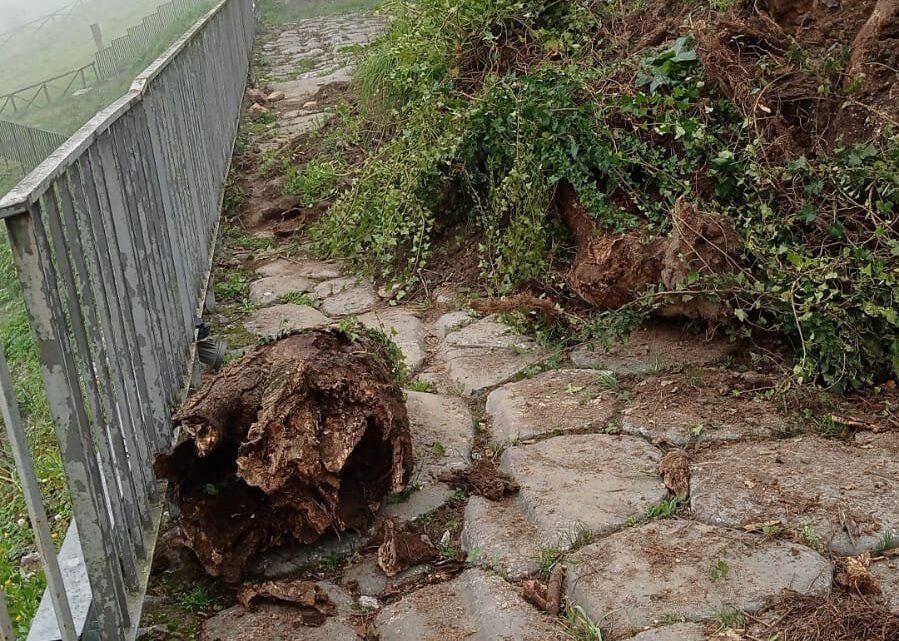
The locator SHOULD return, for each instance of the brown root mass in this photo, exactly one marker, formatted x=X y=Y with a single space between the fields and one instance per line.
x=611 y=270
x=303 y=436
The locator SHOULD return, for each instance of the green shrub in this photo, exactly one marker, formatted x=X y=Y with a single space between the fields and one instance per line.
x=485 y=107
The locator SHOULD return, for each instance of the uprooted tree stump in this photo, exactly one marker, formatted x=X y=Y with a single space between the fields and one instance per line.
x=303 y=436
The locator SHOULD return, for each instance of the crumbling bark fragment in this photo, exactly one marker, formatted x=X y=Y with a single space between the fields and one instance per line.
x=312 y=601
x=303 y=436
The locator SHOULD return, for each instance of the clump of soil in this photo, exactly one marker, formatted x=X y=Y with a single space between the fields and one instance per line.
x=303 y=436
x=674 y=468
x=484 y=478
x=402 y=547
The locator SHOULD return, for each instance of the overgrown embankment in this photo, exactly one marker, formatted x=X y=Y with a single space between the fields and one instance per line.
x=729 y=162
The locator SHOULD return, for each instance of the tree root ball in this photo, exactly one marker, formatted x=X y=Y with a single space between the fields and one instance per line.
x=301 y=437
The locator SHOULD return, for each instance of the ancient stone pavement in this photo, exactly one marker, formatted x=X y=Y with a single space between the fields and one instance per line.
x=583 y=434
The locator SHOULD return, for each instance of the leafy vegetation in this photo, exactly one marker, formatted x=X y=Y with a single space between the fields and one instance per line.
x=486 y=108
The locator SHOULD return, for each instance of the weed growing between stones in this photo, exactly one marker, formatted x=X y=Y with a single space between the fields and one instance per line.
x=711 y=163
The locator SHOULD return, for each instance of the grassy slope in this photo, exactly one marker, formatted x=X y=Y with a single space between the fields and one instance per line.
x=31 y=58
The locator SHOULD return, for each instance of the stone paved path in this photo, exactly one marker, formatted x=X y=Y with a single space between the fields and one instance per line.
x=584 y=442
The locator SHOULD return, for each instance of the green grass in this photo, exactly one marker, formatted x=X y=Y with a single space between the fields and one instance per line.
x=276 y=12
x=10 y=174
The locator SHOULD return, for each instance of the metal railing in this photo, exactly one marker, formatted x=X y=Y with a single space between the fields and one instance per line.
x=27 y=146
x=112 y=238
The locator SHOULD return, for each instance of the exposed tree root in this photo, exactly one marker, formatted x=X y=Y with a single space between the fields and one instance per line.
x=303 y=436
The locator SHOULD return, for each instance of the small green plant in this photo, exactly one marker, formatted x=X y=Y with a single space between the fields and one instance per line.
x=237 y=237
x=670 y=66
x=607 y=380
x=438 y=449
x=315 y=182
x=197 y=600
x=298 y=298
x=887 y=542
x=670 y=618
x=419 y=385
x=729 y=619
x=719 y=571
x=808 y=537
x=232 y=286
x=574 y=538
x=664 y=510
x=580 y=626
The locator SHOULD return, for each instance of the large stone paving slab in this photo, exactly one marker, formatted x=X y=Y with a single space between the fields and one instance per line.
x=269 y=290
x=405 y=329
x=698 y=406
x=848 y=496
x=472 y=607
x=484 y=354
x=591 y=481
x=637 y=577
x=442 y=432
x=554 y=402
x=886 y=572
x=271 y=321
x=498 y=536
x=653 y=348
x=279 y=622
x=313 y=269
x=346 y=296
x=442 y=435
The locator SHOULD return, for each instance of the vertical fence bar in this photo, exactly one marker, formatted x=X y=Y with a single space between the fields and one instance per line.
x=6 y=630
x=31 y=489
x=40 y=288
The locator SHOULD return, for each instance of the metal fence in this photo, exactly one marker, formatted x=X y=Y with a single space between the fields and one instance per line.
x=27 y=146
x=112 y=238
x=110 y=61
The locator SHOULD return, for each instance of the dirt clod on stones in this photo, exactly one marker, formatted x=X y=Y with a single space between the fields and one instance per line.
x=484 y=478
x=403 y=546
x=855 y=576
x=304 y=436
x=674 y=468
x=313 y=604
